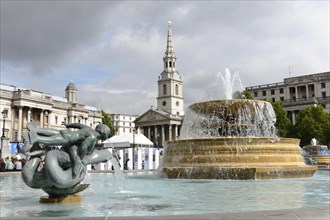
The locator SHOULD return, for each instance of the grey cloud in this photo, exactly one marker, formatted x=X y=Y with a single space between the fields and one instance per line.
x=119 y=45
x=45 y=34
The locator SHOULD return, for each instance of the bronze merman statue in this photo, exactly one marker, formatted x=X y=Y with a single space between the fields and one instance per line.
x=57 y=159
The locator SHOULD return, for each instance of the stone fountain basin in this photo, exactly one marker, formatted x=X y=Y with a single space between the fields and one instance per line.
x=235 y=158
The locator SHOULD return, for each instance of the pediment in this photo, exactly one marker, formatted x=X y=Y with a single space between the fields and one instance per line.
x=151 y=116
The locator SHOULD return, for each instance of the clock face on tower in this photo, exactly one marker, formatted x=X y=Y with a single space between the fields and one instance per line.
x=164 y=103
x=177 y=103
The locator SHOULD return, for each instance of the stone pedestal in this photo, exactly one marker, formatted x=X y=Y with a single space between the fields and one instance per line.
x=67 y=199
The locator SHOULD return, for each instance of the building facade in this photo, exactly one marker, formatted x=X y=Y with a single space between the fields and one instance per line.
x=48 y=111
x=163 y=123
x=123 y=123
x=296 y=93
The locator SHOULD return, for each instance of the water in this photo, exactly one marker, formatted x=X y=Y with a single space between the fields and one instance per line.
x=229 y=118
x=229 y=81
x=118 y=172
x=149 y=194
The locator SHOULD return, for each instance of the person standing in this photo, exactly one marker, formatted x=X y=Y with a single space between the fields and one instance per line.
x=126 y=164
x=2 y=165
x=18 y=164
x=9 y=164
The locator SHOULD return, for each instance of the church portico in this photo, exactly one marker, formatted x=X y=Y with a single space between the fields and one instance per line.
x=161 y=128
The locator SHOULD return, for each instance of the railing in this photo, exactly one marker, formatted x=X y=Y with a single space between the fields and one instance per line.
x=306 y=101
x=265 y=86
x=28 y=94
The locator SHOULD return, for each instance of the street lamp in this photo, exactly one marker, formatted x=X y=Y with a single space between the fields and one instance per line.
x=4 y=115
x=134 y=132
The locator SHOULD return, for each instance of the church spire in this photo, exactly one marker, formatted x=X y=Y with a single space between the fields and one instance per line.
x=169 y=58
x=169 y=49
x=170 y=95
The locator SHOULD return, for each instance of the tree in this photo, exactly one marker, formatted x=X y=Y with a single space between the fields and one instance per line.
x=242 y=95
x=107 y=121
x=283 y=124
x=313 y=122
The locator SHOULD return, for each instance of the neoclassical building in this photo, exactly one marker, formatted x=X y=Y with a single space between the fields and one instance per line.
x=24 y=105
x=123 y=123
x=163 y=122
x=296 y=93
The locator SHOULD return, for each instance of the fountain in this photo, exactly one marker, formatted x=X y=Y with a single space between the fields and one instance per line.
x=319 y=154
x=233 y=139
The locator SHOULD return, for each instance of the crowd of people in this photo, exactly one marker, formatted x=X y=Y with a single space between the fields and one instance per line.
x=11 y=164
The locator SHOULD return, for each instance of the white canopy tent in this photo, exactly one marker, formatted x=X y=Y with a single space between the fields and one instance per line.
x=137 y=148
x=128 y=140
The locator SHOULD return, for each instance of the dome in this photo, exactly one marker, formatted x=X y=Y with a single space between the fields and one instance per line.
x=71 y=86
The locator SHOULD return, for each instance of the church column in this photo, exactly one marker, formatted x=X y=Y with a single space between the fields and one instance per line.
x=169 y=132
x=155 y=135
x=176 y=132
x=307 y=93
x=20 y=121
x=149 y=131
x=163 y=136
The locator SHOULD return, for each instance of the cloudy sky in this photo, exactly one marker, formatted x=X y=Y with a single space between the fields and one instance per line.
x=113 y=50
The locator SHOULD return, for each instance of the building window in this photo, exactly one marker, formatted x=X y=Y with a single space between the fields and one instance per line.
x=56 y=120
x=176 y=89
x=164 y=103
x=281 y=90
x=272 y=92
x=324 y=95
x=264 y=93
x=164 y=89
x=273 y=99
x=170 y=63
x=255 y=94
x=322 y=85
x=282 y=99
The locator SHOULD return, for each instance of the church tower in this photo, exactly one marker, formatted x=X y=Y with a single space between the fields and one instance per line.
x=170 y=91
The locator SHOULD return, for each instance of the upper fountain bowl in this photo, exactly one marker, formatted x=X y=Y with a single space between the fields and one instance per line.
x=229 y=118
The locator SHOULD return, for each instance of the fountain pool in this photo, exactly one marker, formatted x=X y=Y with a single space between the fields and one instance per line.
x=150 y=194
